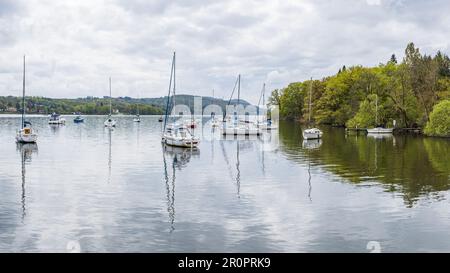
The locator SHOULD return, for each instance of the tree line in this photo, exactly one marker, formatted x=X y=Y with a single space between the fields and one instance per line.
x=405 y=92
x=89 y=106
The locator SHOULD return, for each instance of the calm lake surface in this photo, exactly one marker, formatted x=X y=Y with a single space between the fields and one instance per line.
x=122 y=191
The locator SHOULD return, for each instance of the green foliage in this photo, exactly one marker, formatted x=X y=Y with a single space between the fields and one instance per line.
x=406 y=91
x=439 y=124
x=292 y=100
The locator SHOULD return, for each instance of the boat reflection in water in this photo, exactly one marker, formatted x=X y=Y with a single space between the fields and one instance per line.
x=380 y=135
x=26 y=151
x=312 y=143
x=175 y=158
x=309 y=145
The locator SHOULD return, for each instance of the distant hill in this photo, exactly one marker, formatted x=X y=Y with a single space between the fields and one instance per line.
x=94 y=105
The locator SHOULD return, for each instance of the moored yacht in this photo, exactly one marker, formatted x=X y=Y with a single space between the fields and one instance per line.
x=110 y=122
x=56 y=119
x=176 y=134
x=311 y=133
x=26 y=133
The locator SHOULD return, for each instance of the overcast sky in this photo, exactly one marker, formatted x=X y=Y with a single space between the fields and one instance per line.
x=72 y=47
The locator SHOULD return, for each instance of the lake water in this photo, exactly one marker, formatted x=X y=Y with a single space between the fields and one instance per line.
x=84 y=187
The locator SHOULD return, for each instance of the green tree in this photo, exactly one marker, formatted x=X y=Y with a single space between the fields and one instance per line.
x=439 y=124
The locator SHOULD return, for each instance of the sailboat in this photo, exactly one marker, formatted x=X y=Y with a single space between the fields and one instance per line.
x=137 y=118
x=235 y=126
x=311 y=133
x=265 y=123
x=26 y=133
x=176 y=134
x=378 y=130
x=110 y=122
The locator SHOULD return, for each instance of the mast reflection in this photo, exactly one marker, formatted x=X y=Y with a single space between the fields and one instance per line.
x=310 y=145
x=174 y=158
x=26 y=151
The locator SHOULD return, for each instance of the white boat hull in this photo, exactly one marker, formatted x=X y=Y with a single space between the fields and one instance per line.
x=110 y=123
x=177 y=142
x=312 y=134
x=380 y=130
x=26 y=138
x=57 y=122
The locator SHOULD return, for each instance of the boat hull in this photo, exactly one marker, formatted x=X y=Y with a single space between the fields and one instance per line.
x=312 y=134
x=57 y=122
x=26 y=138
x=110 y=124
x=184 y=143
x=380 y=131
x=241 y=131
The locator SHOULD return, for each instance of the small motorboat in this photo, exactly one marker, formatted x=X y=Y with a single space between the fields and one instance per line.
x=56 y=119
x=78 y=119
x=160 y=119
x=312 y=133
x=137 y=118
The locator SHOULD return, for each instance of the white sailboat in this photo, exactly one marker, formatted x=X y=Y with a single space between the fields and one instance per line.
x=26 y=133
x=235 y=126
x=265 y=123
x=378 y=129
x=176 y=134
x=311 y=133
x=110 y=122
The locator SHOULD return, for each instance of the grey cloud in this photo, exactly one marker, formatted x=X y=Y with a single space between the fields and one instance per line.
x=78 y=45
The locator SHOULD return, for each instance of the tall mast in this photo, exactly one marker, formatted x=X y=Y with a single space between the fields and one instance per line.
x=23 y=94
x=310 y=95
x=264 y=92
x=168 y=105
x=174 y=102
x=110 y=103
x=239 y=89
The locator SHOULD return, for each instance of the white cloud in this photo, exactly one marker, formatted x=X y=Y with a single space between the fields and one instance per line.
x=73 y=47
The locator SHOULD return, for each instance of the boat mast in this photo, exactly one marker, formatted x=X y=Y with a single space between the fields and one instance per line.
x=239 y=89
x=174 y=101
x=264 y=101
x=172 y=70
x=110 y=103
x=23 y=94
x=310 y=95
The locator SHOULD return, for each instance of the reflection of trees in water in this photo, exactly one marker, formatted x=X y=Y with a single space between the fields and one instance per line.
x=174 y=159
x=26 y=150
x=415 y=166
